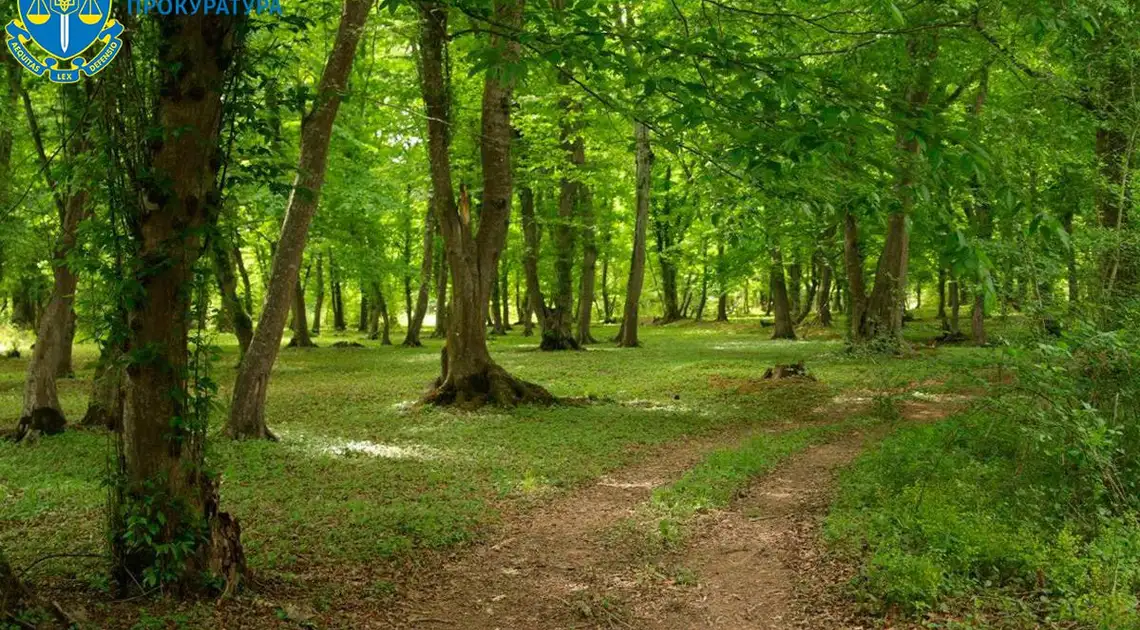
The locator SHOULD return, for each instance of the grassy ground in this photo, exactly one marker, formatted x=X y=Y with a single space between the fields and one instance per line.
x=361 y=477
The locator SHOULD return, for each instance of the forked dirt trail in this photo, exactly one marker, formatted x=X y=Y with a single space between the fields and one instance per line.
x=756 y=564
x=527 y=578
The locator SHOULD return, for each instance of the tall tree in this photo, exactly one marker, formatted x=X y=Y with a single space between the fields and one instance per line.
x=628 y=336
x=247 y=411
x=469 y=376
x=161 y=478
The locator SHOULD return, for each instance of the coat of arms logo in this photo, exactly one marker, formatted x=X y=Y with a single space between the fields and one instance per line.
x=70 y=33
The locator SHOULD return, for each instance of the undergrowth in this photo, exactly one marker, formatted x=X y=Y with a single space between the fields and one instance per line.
x=1022 y=510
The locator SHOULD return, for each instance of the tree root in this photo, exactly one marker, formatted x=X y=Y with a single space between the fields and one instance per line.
x=493 y=387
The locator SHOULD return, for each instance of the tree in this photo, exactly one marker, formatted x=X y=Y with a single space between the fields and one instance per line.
x=247 y=410
x=628 y=336
x=415 y=324
x=161 y=481
x=469 y=376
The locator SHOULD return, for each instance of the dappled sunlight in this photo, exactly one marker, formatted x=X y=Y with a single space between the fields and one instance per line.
x=339 y=447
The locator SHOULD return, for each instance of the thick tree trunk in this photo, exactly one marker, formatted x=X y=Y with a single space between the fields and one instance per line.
x=161 y=474
x=783 y=328
x=247 y=412
x=589 y=268
x=982 y=220
x=227 y=285
x=319 y=304
x=301 y=338
x=469 y=377
x=416 y=323
x=628 y=337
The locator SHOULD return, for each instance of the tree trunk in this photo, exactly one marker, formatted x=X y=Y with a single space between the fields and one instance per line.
x=227 y=285
x=853 y=259
x=498 y=326
x=824 y=304
x=407 y=251
x=415 y=324
x=161 y=477
x=468 y=375
x=319 y=305
x=441 y=277
x=557 y=331
x=339 y=324
x=795 y=281
x=589 y=268
x=664 y=224
x=505 y=291
x=942 y=300
x=982 y=220
x=362 y=319
x=379 y=320
x=105 y=404
x=301 y=338
x=883 y=316
x=783 y=328
x=628 y=337
x=247 y=412
x=51 y=356
x=532 y=240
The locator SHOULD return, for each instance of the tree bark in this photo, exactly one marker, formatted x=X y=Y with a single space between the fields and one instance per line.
x=441 y=278
x=339 y=324
x=469 y=377
x=795 y=281
x=824 y=303
x=379 y=319
x=227 y=286
x=55 y=334
x=416 y=323
x=319 y=305
x=301 y=338
x=783 y=328
x=853 y=259
x=557 y=333
x=665 y=230
x=247 y=411
x=589 y=267
x=161 y=447
x=628 y=337
x=532 y=240
x=105 y=404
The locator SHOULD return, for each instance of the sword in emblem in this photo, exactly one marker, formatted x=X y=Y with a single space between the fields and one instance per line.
x=64 y=30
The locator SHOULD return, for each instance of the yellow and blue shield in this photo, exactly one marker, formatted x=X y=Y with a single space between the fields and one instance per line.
x=81 y=32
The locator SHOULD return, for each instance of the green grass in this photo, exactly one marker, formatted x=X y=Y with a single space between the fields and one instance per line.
x=360 y=477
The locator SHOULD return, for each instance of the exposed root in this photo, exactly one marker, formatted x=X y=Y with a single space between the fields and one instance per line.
x=494 y=387
x=298 y=343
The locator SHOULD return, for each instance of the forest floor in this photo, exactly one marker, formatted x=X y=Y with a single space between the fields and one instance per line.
x=688 y=493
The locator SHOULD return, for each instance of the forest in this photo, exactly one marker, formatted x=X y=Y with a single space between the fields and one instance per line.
x=654 y=314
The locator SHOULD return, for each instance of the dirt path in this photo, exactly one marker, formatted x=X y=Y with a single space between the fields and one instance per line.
x=757 y=564
x=528 y=579
x=751 y=562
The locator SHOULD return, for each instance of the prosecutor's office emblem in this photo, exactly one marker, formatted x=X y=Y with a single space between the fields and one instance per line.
x=79 y=36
